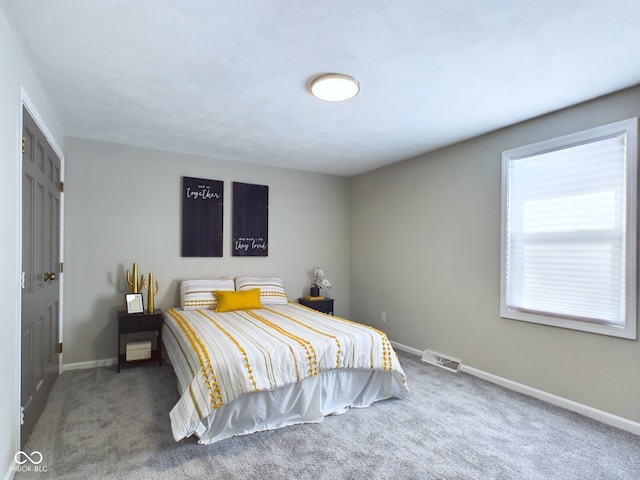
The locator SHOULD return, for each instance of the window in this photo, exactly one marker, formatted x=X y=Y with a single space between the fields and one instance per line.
x=568 y=251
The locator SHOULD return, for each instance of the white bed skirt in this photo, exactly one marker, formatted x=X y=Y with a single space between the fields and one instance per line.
x=308 y=401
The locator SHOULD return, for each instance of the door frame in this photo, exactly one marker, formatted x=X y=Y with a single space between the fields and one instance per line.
x=25 y=101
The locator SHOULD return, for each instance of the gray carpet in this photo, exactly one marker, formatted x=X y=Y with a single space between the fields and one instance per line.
x=100 y=424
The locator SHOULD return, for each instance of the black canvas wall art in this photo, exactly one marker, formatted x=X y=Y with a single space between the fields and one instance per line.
x=202 y=202
x=250 y=220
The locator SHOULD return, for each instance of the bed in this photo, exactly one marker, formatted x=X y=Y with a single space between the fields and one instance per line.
x=248 y=360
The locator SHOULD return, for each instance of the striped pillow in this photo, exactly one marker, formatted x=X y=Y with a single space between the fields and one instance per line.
x=198 y=293
x=271 y=288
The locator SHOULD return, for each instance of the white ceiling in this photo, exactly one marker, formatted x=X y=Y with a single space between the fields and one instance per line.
x=228 y=79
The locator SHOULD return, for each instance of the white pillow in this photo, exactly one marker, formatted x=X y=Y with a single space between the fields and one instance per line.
x=198 y=293
x=271 y=289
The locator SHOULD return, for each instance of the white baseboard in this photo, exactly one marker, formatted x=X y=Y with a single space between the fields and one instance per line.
x=407 y=349
x=593 y=413
x=106 y=362
x=12 y=471
x=599 y=415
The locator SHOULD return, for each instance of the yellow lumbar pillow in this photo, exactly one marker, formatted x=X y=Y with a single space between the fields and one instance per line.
x=229 y=301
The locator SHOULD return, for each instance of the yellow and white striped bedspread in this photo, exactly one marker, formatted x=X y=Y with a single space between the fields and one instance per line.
x=235 y=353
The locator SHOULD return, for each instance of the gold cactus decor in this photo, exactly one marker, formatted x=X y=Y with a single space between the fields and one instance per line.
x=133 y=279
x=152 y=292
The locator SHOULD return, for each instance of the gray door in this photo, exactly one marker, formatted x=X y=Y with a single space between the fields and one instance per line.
x=41 y=272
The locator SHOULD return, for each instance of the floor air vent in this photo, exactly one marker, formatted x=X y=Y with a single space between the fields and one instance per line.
x=440 y=360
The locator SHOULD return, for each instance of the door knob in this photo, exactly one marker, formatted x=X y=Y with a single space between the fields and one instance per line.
x=49 y=276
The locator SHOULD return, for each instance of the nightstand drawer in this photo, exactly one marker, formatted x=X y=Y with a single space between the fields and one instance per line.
x=142 y=323
x=325 y=305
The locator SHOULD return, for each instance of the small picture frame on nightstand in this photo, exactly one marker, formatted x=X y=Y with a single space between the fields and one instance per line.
x=134 y=303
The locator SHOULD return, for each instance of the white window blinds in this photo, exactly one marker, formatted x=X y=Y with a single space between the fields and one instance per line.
x=568 y=246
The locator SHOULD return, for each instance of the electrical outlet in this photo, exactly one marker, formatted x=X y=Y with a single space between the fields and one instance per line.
x=383 y=317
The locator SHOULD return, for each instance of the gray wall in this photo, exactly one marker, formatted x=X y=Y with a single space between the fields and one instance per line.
x=426 y=250
x=123 y=205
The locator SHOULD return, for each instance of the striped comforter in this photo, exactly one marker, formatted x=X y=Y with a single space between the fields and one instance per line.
x=227 y=355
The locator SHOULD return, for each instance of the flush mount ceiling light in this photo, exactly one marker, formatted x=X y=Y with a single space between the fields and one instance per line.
x=334 y=87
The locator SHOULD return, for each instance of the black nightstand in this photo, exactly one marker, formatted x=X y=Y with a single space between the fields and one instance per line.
x=325 y=305
x=140 y=322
